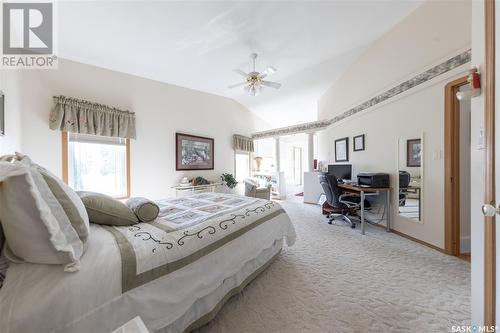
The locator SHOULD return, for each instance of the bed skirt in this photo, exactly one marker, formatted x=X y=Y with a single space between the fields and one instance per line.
x=206 y=308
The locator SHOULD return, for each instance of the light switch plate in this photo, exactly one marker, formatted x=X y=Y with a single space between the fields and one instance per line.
x=480 y=139
x=437 y=155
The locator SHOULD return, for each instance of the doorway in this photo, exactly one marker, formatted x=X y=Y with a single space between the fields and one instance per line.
x=457 y=170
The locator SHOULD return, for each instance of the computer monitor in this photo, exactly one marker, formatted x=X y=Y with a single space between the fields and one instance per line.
x=341 y=171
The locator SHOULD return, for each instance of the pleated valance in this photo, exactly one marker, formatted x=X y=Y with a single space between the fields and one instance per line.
x=243 y=143
x=84 y=117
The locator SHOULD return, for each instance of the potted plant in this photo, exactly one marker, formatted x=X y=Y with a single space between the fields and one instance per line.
x=229 y=180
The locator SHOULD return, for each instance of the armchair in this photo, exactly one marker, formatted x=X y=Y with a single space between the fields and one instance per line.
x=253 y=190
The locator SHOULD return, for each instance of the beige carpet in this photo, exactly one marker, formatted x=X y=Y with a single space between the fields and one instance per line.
x=336 y=280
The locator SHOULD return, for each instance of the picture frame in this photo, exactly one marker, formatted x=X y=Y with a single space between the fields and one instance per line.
x=342 y=150
x=413 y=152
x=358 y=143
x=193 y=152
x=2 y=114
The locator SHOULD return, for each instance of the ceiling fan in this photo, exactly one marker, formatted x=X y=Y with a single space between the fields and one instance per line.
x=254 y=80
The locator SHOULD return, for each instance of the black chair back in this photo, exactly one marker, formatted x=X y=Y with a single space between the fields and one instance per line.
x=404 y=179
x=331 y=189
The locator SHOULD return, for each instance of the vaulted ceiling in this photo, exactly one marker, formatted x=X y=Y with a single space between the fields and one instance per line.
x=197 y=44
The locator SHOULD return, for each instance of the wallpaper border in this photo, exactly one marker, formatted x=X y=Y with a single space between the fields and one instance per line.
x=418 y=79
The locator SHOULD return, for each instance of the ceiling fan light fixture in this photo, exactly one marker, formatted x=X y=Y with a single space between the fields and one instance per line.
x=254 y=79
x=253 y=90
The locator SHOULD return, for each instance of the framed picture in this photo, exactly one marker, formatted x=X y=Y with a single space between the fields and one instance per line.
x=359 y=142
x=2 y=114
x=193 y=152
x=342 y=150
x=413 y=152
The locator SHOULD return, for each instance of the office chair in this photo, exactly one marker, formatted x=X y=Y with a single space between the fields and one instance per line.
x=341 y=204
x=404 y=182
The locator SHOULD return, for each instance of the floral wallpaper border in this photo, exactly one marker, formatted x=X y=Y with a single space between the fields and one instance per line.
x=418 y=79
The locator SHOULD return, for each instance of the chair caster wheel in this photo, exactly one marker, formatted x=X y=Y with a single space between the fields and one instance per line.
x=353 y=226
x=329 y=222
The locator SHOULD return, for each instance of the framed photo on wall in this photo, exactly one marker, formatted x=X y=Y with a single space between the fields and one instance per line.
x=359 y=142
x=193 y=152
x=2 y=113
x=413 y=153
x=342 y=150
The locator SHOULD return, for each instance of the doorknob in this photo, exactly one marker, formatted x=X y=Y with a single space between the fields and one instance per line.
x=489 y=210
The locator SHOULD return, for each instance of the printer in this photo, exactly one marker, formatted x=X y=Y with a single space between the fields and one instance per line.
x=371 y=179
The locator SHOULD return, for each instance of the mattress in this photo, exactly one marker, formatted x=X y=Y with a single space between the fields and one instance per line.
x=128 y=272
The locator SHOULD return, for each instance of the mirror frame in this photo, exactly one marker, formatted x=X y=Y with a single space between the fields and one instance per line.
x=422 y=177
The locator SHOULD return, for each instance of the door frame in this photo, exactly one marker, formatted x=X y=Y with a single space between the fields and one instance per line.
x=489 y=135
x=452 y=167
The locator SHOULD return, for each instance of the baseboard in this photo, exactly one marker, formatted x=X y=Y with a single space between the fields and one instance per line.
x=434 y=247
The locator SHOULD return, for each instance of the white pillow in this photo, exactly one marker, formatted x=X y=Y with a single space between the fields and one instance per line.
x=35 y=224
x=70 y=201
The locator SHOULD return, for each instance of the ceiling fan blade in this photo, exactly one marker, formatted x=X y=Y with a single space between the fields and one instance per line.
x=237 y=85
x=270 y=70
x=239 y=71
x=274 y=85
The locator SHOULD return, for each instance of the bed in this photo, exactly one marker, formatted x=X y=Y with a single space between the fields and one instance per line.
x=175 y=273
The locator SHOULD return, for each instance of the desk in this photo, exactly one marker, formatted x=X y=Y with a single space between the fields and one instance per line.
x=364 y=191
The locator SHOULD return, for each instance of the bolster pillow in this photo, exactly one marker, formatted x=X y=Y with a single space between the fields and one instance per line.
x=145 y=209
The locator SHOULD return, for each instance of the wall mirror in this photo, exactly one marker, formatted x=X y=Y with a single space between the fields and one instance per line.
x=410 y=180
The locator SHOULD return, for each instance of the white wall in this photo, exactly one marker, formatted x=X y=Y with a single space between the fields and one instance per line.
x=433 y=32
x=10 y=86
x=161 y=111
x=420 y=41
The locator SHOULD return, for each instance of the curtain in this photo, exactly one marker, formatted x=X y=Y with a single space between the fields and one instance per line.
x=78 y=116
x=243 y=143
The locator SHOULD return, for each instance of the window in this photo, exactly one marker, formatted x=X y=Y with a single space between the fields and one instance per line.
x=266 y=150
x=97 y=163
x=241 y=166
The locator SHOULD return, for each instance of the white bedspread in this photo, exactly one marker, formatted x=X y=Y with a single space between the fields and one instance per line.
x=44 y=298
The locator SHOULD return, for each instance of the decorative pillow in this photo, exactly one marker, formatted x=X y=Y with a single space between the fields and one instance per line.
x=35 y=224
x=2 y=237
x=4 y=262
x=68 y=199
x=103 y=209
x=145 y=209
